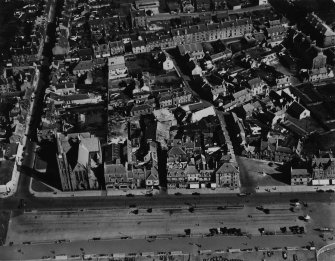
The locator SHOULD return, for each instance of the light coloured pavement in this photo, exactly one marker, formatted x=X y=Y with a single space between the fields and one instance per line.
x=187 y=245
x=15 y=174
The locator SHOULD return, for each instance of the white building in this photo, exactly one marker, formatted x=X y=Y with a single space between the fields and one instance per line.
x=116 y=67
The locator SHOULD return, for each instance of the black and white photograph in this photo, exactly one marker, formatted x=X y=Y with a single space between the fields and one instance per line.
x=167 y=130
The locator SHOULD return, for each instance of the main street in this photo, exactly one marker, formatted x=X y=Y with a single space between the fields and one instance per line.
x=54 y=203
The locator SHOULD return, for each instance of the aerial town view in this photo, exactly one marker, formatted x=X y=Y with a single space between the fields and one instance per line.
x=167 y=130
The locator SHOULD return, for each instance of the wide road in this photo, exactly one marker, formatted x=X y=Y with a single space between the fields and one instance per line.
x=116 y=223
x=160 y=200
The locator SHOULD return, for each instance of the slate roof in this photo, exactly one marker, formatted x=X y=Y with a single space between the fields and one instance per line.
x=227 y=168
x=115 y=170
x=175 y=151
x=295 y=109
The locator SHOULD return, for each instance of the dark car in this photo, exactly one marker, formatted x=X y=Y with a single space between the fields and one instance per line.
x=213 y=231
x=148 y=195
x=196 y=194
x=295 y=200
x=130 y=195
x=266 y=211
x=330 y=191
x=149 y=210
x=132 y=206
x=223 y=230
x=221 y=208
x=177 y=194
x=283 y=229
x=320 y=191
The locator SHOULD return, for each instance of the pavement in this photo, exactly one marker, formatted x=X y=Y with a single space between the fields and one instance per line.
x=293 y=189
x=15 y=174
x=122 y=247
x=119 y=192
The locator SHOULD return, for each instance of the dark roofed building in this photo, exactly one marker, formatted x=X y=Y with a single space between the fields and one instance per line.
x=298 y=111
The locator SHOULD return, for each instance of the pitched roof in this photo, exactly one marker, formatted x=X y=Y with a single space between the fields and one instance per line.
x=190 y=169
x=227 y=168
x=193 y=47
x=176 y=151
x=141 y=107
x=91 y=144
x=295 y=109
x=153 y=174
x=300 y=172
x=115 y=170
x=254 y=81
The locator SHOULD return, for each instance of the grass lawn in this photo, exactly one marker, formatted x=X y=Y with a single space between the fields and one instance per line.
x=253 y=169
x=40 y=186
x=4 y=219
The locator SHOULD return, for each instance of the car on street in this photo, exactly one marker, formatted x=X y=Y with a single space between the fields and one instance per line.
x=242 y=194
x=320 y=191
x=260 y=208
x=196 y=194
x=148 y=195
x=130 y=195
x=223 y=230
x=149 y=210
x=213 y=231
x=221 y=208
x=330 y=191
x=132 y=206
x=266 y=211
x=177 y=194
x=283 y=229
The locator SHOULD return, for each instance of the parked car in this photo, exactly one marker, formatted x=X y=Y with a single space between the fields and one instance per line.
x=213 y=231
x=266 y=211
x=330 y=191
x=177 y=194
x=283 y=229
x=130 y=195
x=223 y=230
x=320 y=191
x=196 y=194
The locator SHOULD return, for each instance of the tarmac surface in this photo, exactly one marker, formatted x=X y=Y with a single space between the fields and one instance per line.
x=186 y=245
x=39 y=226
